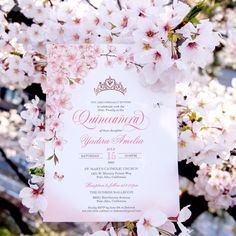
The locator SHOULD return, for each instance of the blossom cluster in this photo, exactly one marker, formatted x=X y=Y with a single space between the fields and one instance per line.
x=67 y=67
x=153 y=222
x=170 y=43
x=206 y=118
x=32 y=142
x=217 y=184
x=34 y=137
x=207 y=122
x=10 y=123
x=168 y=39
x=225 y=23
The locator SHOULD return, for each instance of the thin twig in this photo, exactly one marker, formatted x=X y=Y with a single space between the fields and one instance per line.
x=51 y=4
x=114 y=56
x=119 y=4
x=2 y=10
x=88 y=1
x=165 y=232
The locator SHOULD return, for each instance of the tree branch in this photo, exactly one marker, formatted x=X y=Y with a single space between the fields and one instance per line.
x=114 y=56
x=16 y=214
x=88 y=1
x=119 y=4
x=191 y=16
x=13 y=167
x=50 y=2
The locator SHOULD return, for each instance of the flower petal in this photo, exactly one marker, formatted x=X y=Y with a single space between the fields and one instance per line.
x=184 y=214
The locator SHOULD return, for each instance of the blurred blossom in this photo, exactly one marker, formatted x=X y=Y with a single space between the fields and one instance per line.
x=208 y=225
x=165 y=47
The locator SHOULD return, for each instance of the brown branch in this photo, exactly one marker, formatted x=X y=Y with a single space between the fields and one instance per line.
x=13 y=167
x=2 y=10
x=88 y=1
x=51 y=4
x=119 y=4
x=114 y=56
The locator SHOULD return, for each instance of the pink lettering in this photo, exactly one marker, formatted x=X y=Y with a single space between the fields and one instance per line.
x=90 y=121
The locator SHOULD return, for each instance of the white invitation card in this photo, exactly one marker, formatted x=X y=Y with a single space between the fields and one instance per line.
x=111 y=151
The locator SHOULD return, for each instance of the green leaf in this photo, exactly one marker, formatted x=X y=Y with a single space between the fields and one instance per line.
x=39 y=171
x=184 y=128
x=173 y=37
x=199 y=119
x=195 y=21
x=129 y=225
x=191 y=16
x=204 y=128
x=5 y=232
x=112 y=26
x=193 y=116
x=51 y=157
x=56 y=160
x=194 y=12
x=15 y=53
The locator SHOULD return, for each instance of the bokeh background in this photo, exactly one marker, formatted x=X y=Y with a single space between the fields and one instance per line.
x=15 y=219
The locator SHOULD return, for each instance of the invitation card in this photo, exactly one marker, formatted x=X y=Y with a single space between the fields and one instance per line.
x=111 y=151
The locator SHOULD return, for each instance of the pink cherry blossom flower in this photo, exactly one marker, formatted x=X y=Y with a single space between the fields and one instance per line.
x=192 y=51
x=33 y=199
x=148 y=224
x=184 y=215
x=54 y=124
x=32 y=111
x=64 y=102
x=58 y=143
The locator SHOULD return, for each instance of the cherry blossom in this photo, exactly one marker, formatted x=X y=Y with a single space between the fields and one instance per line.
x=156 y=41
x=59 y=143
x=33 y=199
x=217 y=185
x=184 y=215
x=36 y=33
x=32 y=112
x=165 y=46
x=148 y=224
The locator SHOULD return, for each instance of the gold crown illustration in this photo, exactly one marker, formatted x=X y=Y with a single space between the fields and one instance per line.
x=110 y=84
